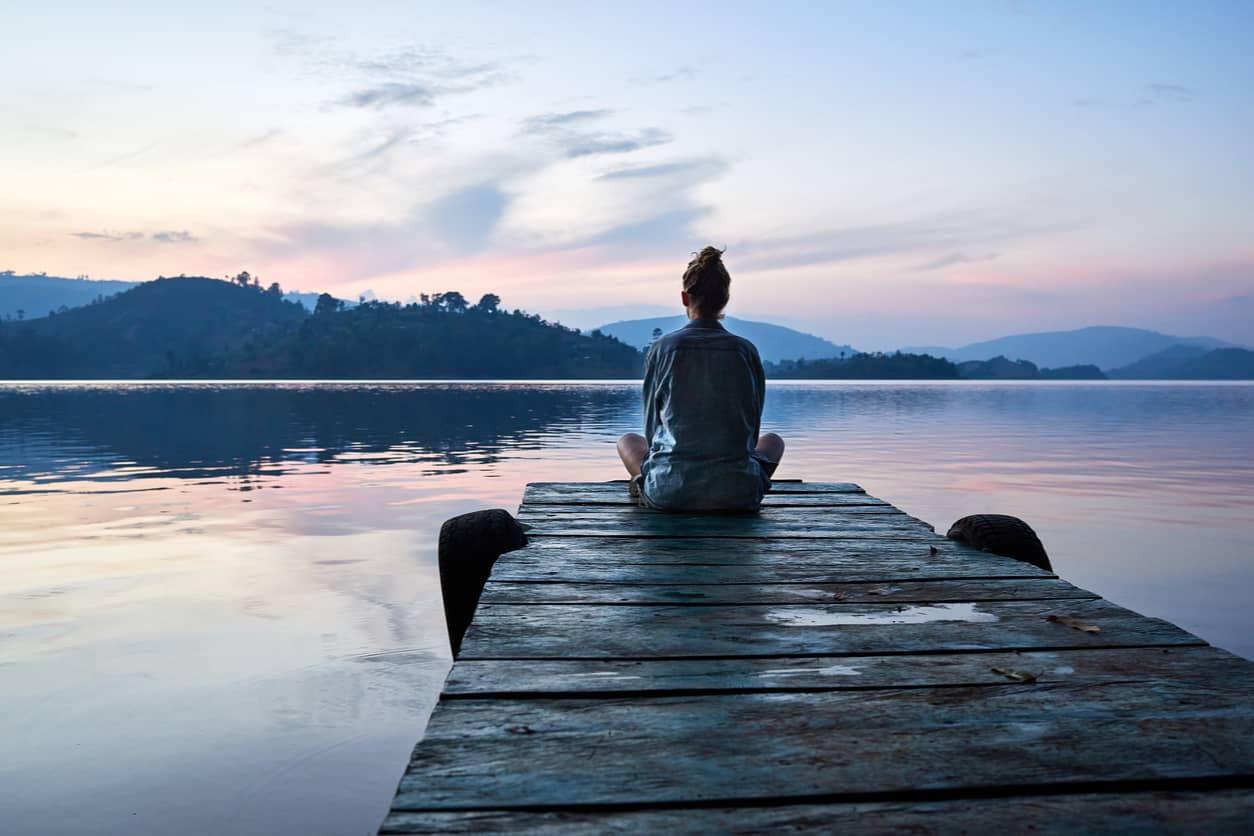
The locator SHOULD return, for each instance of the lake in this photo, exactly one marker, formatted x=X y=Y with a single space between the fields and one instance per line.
x=219 y=605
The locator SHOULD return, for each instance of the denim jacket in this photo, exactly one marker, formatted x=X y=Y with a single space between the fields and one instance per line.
x=704 y=389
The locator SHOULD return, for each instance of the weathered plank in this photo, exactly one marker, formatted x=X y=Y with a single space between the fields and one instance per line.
x=617 y=494
x=611 y=521
x=733 y=560
x=470 y=678
x=834 y=744
x=1219 y=813
x=616 y=486
x=911 y=591
x=830 y=649
x=539 y=631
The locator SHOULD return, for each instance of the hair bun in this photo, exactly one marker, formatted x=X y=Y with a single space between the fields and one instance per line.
x=709 y=255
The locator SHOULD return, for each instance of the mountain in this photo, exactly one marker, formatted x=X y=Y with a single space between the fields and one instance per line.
x=33 y=296
x=207 y=328
x=1185 y=362
x=159 y=328
x=1104 y=346
x=775 y=342
x=36 y=295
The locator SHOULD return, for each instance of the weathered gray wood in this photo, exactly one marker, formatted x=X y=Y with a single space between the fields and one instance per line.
x=829 y=649
x=911 y=591
x=733 y=560
x=1219 y=813
x=540 y=631
x=617 y=494
x=611 y=521
x=620 y=486
x=834 y=744
x=470 y=678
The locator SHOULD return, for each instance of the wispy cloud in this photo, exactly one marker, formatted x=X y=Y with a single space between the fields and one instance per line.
x=546 y=122
x=108 y=236
x=613 y=143
x=259 y=140
x=681 y=73
x=946 y=234
x=169 y=236
x=688 y=167
x=172 y=236
x=391 y=93
x=411 y=77
x=1170 y=93
x=467 y=218
x=567 y=130
x=956 y=258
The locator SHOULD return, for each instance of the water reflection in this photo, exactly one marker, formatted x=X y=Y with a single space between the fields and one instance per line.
x=61 y=434
x=219 y=608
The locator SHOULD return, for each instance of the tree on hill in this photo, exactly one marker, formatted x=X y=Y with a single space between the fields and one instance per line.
x=875 y=366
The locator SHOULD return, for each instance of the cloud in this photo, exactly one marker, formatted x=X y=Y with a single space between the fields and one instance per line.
x=956 y=258
x=108 y=236
x=671 y=229
x=164 y=237
x=413 y=77
x=949 y=233
x=181 y=236
x=545 y=122
x=681 y=73
x=1171 y=93
x=687 y=168
x=467 y=217
x=259 y=140
x=567 y=132
x=392 y=93
x=613 y=143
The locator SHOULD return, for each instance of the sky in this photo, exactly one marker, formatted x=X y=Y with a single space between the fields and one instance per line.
x=883 y=174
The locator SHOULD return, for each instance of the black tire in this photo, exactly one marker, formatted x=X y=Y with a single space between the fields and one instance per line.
x=469 y=545
x=1004 y=535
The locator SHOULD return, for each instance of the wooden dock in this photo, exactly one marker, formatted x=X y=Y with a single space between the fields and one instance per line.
x=831 y=663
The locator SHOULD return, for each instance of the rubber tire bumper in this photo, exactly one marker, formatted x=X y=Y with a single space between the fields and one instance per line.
x=469 y=546
x=1001 y=534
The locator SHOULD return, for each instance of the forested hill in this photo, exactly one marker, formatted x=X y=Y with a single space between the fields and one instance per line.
x=208 y=328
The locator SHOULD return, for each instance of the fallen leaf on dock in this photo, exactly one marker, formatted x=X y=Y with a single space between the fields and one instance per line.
x=1016 y=675
x=1074 y=623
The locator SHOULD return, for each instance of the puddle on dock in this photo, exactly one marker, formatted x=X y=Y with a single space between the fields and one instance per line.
x=901 y=615
x=603 y=675
x=830 y=670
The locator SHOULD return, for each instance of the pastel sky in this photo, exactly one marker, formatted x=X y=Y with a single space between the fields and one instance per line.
x=881 y=173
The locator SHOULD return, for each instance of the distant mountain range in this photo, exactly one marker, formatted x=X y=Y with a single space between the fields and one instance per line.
x=1105 y=346
x=775 y=342
x=31 y=296
x=1185 y=362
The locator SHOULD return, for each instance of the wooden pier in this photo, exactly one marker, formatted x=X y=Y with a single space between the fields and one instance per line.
x=831 y=663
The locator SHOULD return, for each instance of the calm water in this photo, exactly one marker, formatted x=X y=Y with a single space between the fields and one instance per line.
x=219 y=610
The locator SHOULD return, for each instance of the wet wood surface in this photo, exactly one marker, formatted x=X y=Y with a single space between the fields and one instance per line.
x=830 y=663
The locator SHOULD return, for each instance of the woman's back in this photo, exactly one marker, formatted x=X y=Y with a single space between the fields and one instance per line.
x=704 y=390
x=703 y=394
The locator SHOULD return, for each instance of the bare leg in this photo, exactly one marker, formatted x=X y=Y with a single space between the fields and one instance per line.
x=770 y=447
x=633 y=449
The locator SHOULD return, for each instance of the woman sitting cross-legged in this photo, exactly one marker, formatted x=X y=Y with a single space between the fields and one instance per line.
x=703 y=394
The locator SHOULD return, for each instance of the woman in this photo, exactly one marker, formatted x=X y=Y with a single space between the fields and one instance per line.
x=703 y=395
